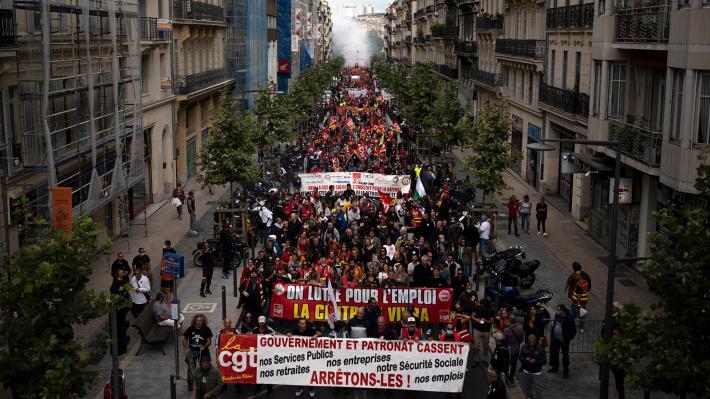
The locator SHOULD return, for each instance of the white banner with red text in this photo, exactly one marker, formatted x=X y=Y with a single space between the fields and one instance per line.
x=353 y=363
x=363 y=183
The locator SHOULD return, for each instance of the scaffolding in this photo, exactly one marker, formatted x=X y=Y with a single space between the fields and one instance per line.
x=78 y=72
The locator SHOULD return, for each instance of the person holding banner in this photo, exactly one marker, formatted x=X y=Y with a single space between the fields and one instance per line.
x=303 y=330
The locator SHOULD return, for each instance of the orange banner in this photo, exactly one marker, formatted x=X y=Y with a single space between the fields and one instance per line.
x=62 y=209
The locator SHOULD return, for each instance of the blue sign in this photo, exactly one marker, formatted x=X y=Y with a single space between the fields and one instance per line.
x=174 y=265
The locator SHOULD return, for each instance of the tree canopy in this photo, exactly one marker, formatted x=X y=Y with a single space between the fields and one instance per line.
x=42 y=294
x=667 y=347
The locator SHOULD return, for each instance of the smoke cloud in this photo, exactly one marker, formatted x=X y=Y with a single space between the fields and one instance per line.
x=351 y=41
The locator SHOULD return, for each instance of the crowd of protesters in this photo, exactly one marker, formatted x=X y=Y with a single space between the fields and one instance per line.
x=345 y=240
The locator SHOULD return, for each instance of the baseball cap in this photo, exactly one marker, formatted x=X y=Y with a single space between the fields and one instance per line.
x=411 y=320
x=272 y=237
x=262 y=319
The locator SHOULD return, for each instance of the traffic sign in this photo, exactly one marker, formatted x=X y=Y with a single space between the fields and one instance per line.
x=174 y=265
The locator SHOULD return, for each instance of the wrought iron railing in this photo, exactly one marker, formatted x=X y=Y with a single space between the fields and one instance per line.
x=450 y=72
x=521 y=47
x=189 y=9
x=8 y=29
x=579 y=16
x=430 y=9
x=408 y=39
x=419 y=14
x=636 y=141
x=148 y=28
x=490 y=79
x=565 y=100
x=489 y=23
x=646 y=24
x=466 y=48
x=186 y=84
x=427 y=38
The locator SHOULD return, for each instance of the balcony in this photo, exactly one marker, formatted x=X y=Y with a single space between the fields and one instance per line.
x=521 y=48
x=466 y=2
x=442 y=31
x=642 y=25
x=637 y=142
x=188 y=9
x=188 y=84
x=489 y=79
x=430 y=9
x=466 y=49
x=8 y=30
x=420 y=14
x=427 y=38
x=148 y=28
x=447 y=71
x=570 y=17
x=565 y=100
x=408 y=39
x=489 y=23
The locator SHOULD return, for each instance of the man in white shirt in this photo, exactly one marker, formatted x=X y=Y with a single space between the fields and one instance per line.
x=485 y=229
x=354 y=214
x=266 y=215
x=141 y=291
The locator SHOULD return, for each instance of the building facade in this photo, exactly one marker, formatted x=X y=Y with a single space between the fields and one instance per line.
x=583 y=70
x=324 y=35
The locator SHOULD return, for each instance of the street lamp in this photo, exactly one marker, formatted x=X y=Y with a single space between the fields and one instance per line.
x=613 y=220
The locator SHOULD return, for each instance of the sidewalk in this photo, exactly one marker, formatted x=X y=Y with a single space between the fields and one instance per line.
x=567 y=242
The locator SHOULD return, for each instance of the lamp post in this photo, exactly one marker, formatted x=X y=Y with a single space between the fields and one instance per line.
x=613 y=221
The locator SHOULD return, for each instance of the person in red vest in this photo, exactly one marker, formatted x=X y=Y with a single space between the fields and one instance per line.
x=448 y=334
x=411 y=332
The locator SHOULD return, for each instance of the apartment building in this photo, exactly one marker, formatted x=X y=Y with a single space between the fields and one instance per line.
x=155 y=29
x=72 y=116
x=633 y=72
x=297 y=30
x=272 y=35
x=651 y=90
x=324 y=35
x=199 y=33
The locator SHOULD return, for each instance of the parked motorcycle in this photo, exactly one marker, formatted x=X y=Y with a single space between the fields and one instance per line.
x=509 y=267
x=510 y=298
x=238 y=251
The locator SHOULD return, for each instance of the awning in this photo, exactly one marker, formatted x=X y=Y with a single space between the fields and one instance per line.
x=600 y=163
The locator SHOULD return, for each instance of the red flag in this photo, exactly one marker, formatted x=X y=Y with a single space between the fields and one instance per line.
x=386 y=200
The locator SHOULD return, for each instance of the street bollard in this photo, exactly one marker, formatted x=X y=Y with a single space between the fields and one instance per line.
x=173 y=391
x=224 y=302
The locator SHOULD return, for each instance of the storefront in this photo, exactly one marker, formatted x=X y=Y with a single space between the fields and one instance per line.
x=565 y=177
x=535 y=158
x=191 y=157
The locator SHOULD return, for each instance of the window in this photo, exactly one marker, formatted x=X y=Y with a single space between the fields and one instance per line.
x=145 y=71
x=577 y=69
x=530 y=87
x=564 y=69
x=601 y=5
x=703 y=111
x=553 y=56
x=512 y=83
x=597 y=86
x=677 y=106
x=522 y=85
x=683 y=3
x=160 y=9
x=617 y=88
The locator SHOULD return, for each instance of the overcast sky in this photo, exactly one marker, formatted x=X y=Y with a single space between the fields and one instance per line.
x=380 y=5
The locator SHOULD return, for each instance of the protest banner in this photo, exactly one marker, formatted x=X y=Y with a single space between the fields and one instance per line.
x=353 y=363
x=295 y=301
x=369 y=184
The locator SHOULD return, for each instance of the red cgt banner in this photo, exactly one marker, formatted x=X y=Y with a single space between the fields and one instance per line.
x=236 y=355
x=295 y=301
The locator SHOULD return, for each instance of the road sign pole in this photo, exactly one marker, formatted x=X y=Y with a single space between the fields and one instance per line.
x=176 y=303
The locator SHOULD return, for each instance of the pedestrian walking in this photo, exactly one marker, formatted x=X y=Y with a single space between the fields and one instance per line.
x=207 y=269
x=120 y=263
x=191 y=212
x=532 y=356
x=513 y=206
x=561 y=333
x=500 y=359
x=496 y=389
x=541 y=215
x=572 y=280
x=178 y=199
x=166 y=281
x=196 y=342
x=485 y=231
x=514 y=336
x=482 y=319
x=140 y=296
x=579 y=299
x=524 y=210
x=208 y=380
x=118 y=287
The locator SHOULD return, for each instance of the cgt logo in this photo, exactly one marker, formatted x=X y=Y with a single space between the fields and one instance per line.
x=278 y=310
x=444 y=296
x=279 y=289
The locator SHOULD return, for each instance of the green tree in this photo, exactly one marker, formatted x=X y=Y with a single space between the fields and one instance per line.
x=44 y=295
x=228 y=155
x=446 y=114
x=275 y=118
x=491 y=150
x=667 y=348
